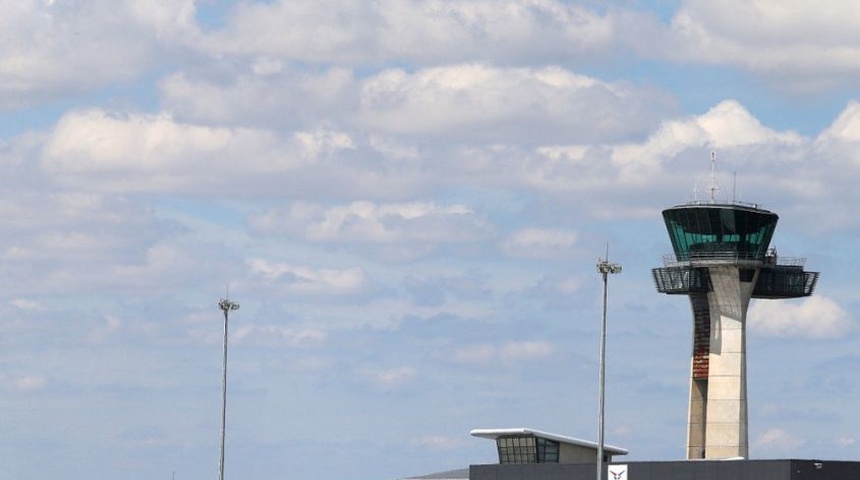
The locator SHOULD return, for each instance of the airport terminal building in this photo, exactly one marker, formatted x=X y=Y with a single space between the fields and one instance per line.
x=527 y=454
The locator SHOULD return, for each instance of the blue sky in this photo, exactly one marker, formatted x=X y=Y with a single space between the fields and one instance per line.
x=408 y=199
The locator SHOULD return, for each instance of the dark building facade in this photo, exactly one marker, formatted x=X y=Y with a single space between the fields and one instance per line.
x=677 y=470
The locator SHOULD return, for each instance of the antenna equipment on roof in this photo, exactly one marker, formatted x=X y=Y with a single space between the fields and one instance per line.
x=713 y=188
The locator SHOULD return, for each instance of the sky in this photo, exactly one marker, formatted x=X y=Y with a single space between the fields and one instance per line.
x=408 y=199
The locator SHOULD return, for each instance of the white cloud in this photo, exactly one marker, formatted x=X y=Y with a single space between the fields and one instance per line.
x=507 y=104
x=155 y=153
x=494 y=29
x=394 y=377
x=608 y=175
x=845 y=442
x=539 y=243
x=729 y=124
x=321 y=141
x=172 y=21
x=424 y=31
x=726 y=126
x=845 y=128
x=101 y=333
x=303 y=30
x=311 y=364
x=783 y=168
x=309 y=281
x=509 y=351
x=392 y=148
x=525 y=350
x=366 y=221
x=29 y=383
x=95 y=141
x=262 y=95
x=814 y=317
x=476 y=354
x=363 y=221
x=797 y=44
x=778 y=440
x=275 y=335
x=52 y=48
x=26 y=304
x=74 y=241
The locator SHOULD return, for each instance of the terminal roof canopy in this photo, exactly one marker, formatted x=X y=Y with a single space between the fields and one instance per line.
x=524 y=445
x=719 y=230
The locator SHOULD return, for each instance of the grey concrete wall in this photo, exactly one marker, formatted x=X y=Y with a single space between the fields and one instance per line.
x=726 y=417
x=568 y=453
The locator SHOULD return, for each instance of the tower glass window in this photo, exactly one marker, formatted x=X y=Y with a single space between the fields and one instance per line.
x=702 y=231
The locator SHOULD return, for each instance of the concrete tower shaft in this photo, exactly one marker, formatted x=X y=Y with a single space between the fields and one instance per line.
x=721 y=261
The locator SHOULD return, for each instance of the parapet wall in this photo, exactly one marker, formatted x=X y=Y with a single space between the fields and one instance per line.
x=680 y=470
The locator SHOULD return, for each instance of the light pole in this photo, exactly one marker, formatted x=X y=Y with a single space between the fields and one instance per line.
x=226 y=306
x=604 y=268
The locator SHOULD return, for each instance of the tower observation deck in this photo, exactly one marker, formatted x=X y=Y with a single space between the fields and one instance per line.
x=722 y=259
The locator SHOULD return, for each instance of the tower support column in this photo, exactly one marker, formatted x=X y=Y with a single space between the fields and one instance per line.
x=699 y=363
x=721 y=419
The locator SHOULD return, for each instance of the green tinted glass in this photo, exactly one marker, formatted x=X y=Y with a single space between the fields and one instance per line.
x=701 y=231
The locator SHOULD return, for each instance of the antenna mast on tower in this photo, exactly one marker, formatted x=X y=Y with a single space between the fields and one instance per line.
x=713 y=189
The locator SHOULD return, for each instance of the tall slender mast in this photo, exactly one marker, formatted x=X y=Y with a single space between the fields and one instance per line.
x=226 y=306
x=604 y=268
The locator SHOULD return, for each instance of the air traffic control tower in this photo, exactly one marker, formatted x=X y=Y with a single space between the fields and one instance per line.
x=722 y=260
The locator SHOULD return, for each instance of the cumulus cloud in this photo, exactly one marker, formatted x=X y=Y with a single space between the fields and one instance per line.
x=845 y=128
x=369 y=222
x=119 y=153
x=434 y=291
x=730 y=124
x=155 y=153
x=101 y=333
x=786 y=170
x=726 y=126
x=309 y=281
x=419 y=31
x=304 y=30
x=52 y=48
x=262 y=95
x=539 y=243
x=76 y=241
x=396 y=377
x=814 y=317
x=142 y=151
x=507 y=104
x=365 y=221
x=26 y=304
x=798 y=45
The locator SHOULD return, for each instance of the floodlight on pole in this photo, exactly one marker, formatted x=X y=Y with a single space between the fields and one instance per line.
x=226 y=306
x=604 y=268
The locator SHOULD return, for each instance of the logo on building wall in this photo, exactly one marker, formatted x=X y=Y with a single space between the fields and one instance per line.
x=617 y=472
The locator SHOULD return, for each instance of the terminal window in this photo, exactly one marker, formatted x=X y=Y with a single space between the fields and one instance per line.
x=527 y=449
